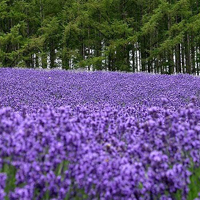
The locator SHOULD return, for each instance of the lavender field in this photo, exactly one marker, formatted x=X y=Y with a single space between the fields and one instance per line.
x=68 y=135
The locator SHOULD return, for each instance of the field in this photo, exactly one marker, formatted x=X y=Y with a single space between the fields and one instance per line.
x=100 y=136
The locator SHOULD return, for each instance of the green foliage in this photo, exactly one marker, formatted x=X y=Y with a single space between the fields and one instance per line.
x=10 y=171
x=101 y=34
x=195 y=184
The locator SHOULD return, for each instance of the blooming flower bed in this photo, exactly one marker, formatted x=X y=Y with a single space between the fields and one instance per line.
x=99 y=135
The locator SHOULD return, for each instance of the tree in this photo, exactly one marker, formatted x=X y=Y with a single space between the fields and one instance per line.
x=160 y=36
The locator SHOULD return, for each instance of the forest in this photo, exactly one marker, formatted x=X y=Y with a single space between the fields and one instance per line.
x=157 y=36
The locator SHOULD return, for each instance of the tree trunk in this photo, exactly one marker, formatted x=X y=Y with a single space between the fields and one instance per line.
x=187 y=52
x=193 y=55
x=183 y=57
x=178 y=59
x=143 y=54
x=44 y=60
x=133 y=59
x=36 y=61
x=52 y=54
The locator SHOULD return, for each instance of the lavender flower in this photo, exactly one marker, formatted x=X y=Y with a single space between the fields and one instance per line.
x=90 y=136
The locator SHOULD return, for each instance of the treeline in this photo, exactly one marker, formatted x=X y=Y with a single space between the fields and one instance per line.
x=160 y=36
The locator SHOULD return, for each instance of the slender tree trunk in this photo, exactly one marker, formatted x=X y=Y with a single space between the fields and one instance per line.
x=197 y=62
x=171 y=62
x=109 y=62
x=193 y=55
x=178 y=59
x=143 y=54
x=136 y=56
x=156 y=65
x=183 y=57
x=52 y=54
x=65 y=59
x=139 y=59
x=187 y=52
x=44 y=60
x=32 y=61
x=36 y=61
x=133 y=58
